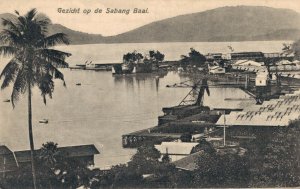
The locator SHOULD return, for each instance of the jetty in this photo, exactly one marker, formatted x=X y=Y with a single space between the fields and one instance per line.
x=93 y=66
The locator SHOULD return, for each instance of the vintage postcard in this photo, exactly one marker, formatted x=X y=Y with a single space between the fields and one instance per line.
x=149 y=94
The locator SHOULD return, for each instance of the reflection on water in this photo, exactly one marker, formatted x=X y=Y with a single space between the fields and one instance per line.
x=98 y=112
x=104 y=107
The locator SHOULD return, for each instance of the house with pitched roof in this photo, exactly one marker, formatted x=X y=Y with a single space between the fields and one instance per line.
x=11 y=161
x=82 y=153
x=8 y=161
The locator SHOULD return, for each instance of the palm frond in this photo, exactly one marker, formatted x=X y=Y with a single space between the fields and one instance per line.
x=44 y=58
x=43 y=21
x=53 y=53
x=46 y=86
x=22 y=21
x=57 y=62
x=44 y=67
x=11 y=38
x=31 y=14
x=33 y=64
x=20 y=86
x=7 y=50
x=9 y=24
x=9 y=73
x=55 y=39
x=57 y=74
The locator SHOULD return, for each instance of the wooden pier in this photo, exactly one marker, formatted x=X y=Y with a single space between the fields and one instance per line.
x=138 y=138
x=94 y=66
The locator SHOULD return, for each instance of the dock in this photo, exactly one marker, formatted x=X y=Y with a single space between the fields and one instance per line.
x=203 y=121
x=138 y=138
x=94 y=66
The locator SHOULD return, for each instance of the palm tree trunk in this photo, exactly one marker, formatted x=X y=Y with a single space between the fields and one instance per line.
x=31 y=136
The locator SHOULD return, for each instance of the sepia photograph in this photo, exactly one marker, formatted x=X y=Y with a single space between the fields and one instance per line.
x=149 y=94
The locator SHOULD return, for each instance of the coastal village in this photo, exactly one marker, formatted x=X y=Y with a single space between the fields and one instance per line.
x=252 y=142
x=268 y=79
x=265 y=108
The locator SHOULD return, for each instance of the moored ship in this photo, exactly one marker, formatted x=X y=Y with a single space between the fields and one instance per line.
x=131 y=68
x=137 y=63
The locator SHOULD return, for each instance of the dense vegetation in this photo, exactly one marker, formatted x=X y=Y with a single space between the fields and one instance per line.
x=271 y=160
x=296 y=49
x=193 y=59
x=136 y=57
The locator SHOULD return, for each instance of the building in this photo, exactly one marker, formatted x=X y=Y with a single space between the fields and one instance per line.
x=286 y=65
x=216 y=70
x=8 y=162
x=247 y=55
x=82 y=153
x=261 y=79
x=11 y=161
x=272 y=55
x=176 y=150
x=248 y=65
x=189 y=163
x=226 y=56
x=214 y=56
x=273 y=113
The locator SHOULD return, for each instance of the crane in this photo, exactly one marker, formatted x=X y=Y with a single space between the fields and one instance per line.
x=196 y=95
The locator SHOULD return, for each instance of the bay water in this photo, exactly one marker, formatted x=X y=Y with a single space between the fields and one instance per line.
x=104 y=107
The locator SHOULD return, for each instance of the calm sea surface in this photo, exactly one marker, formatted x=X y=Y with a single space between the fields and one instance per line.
x=105 y=107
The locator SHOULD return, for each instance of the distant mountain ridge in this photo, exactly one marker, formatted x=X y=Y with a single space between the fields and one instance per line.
x=239 y=23
x=222 y=24
x=76 y=37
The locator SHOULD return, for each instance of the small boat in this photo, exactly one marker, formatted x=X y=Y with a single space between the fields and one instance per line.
x=78 y=84
x=43 y=121
x=134 y=70
x=6 y=100
x=113 y=71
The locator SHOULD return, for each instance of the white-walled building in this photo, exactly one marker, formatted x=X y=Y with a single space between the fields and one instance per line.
x=261 y=79
x=248 y=65
x=176 y=150
x=216 y=70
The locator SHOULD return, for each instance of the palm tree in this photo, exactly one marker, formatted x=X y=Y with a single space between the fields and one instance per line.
x=49 y=154
x=34 y=62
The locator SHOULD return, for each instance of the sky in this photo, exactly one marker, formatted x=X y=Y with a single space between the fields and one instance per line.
x=109 y=24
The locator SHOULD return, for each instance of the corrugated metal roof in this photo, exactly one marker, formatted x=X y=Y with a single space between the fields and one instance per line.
x=7 y=160
x=4 y=150
x=68 y=151
x=276 y=112
x=188 y=163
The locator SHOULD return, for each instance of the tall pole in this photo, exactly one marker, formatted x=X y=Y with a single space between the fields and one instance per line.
x=31 y=137
x=246 y=81
x=4 y=167
x=224 y=130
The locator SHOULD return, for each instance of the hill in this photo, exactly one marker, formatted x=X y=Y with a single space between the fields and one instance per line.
x=222 y=24
x=239 y=23
x=76 y=37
